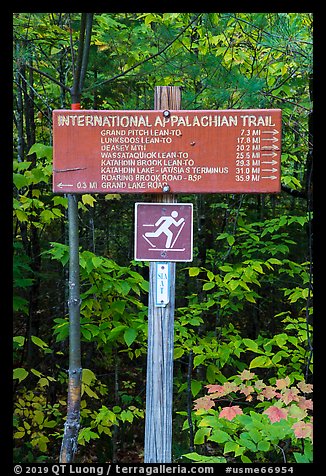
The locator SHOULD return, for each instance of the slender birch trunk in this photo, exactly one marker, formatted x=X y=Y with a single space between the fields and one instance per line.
x=71 y=429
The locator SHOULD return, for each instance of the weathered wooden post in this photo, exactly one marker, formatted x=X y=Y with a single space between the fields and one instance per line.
x=159 y=381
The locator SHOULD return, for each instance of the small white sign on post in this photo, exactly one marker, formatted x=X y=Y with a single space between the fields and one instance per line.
x=162 y=273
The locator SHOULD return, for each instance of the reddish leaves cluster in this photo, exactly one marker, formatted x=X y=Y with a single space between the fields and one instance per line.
x=281 y=391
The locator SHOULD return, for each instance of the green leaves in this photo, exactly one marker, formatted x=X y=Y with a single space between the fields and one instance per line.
x=20 y=180
x=24 y=176
x=201 y=434
x=196 y=386
x=41 y=150
x=204 y=459
x=129 y=336
x=229 y=238
x=262 y=361
x=88 y=379
x=194 y=271
x=59 y=252
x=85 y=435
x=88 y=199
x=110 y=291
x=20 y=374
x=219 y=436
x=251 y=345
x=199 y=359
x=40 y=343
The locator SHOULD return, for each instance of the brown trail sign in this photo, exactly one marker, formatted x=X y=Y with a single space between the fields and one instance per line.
x=230 y=151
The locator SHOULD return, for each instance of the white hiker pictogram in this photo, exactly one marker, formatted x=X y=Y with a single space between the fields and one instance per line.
x=164 y=223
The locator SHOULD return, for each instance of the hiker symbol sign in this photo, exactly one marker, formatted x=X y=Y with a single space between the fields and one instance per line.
x=163 y=231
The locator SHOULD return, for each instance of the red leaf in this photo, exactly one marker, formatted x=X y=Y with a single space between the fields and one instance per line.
x=204 y=402
x=276 y=413
x=246 y=375
x=259 y=385
x=246 y=389
x=215 y=389
x=305 y=404
x=282 y=382
x=269 y=392
x=302 y=429
x=230 y=387
x=305 y=387
x=290 y=395
x=230 y=412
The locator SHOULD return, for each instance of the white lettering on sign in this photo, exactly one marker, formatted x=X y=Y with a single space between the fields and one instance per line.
x=162 y=284
x=209 y=120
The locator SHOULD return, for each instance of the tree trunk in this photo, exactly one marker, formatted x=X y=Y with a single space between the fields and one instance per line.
x=70 y=437
x=69 y=442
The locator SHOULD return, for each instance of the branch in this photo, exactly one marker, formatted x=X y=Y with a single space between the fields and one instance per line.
x=56 y=81
x=146 y=59
x=189 y=402
x=75 y=90
x=294 y=193
x=36 y=94
x=66 y=88
x=88 y=34
x=267 y=93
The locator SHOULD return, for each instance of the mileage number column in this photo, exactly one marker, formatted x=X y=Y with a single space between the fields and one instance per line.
x=255 y=153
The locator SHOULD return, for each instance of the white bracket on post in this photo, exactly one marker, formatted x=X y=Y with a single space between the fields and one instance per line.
x=162 y=291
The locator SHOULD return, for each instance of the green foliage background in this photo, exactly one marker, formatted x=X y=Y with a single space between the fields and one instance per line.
x=246 y=300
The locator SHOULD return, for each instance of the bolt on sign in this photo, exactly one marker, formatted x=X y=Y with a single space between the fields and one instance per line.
x=163 y=231
x=199 y=151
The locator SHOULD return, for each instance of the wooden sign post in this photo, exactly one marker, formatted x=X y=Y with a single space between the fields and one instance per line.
x=159 y=380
